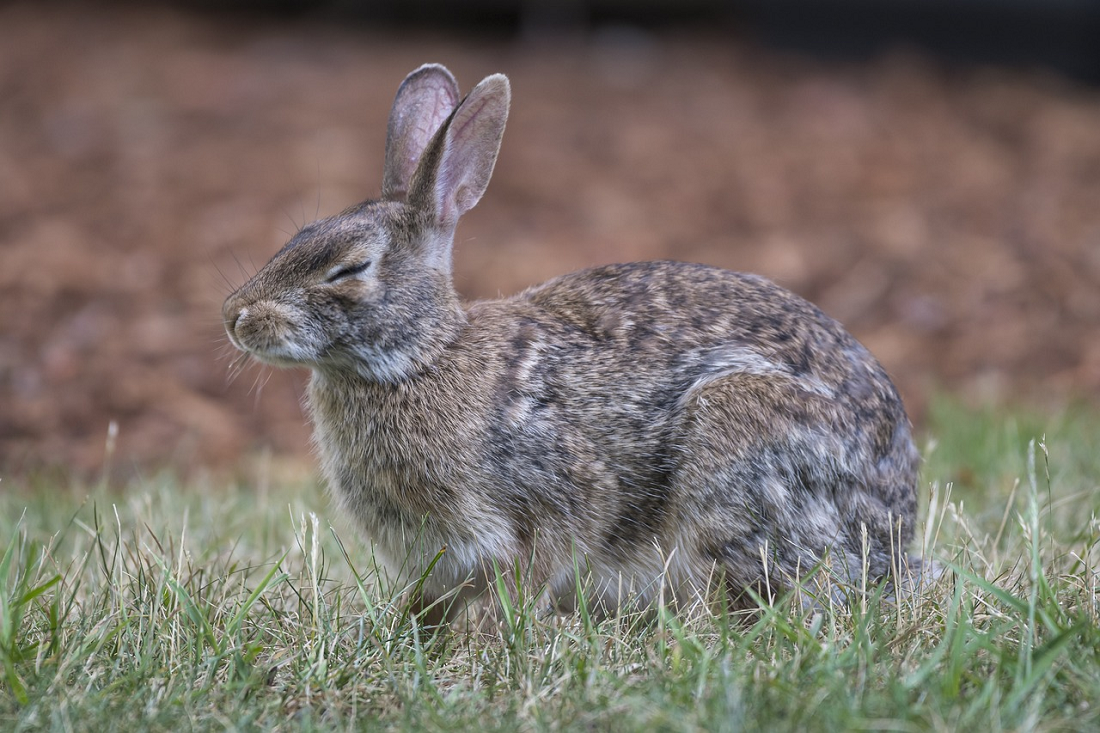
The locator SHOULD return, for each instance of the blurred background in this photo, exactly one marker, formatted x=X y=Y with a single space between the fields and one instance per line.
x=927 y=171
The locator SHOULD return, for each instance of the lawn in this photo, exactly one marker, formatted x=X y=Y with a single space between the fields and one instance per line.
x=212 y=605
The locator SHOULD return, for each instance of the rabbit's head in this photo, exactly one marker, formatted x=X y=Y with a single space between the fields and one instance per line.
x=370 y=289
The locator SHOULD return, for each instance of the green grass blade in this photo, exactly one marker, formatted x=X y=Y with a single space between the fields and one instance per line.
x=272 y=577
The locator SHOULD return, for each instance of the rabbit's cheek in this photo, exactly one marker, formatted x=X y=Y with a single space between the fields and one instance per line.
x=348 y=298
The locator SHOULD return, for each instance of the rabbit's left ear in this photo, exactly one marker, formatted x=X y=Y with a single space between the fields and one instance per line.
x=455 y=170
x=424 y=101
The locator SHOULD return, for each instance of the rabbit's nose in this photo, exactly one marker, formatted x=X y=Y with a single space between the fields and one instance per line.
x=234 y=318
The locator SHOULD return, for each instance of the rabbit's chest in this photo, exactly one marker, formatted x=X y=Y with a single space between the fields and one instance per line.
x=371 y=454
x=412 y=495
x=385 y=447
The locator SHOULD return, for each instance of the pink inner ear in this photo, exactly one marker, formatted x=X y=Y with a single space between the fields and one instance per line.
x=426 y=119
x=452 y=197
x=427 y=115
x=432 y=112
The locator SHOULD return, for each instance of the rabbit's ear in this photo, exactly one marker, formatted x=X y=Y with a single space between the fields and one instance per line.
x=424 y=101
x=455 y=171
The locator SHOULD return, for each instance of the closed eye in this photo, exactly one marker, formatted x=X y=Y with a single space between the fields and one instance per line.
x=341 y=272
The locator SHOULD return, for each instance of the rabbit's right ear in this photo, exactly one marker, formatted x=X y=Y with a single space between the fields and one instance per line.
x=456 y=168
x=424 y=101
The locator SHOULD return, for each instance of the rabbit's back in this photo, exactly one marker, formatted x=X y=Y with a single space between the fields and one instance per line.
x=726 y=410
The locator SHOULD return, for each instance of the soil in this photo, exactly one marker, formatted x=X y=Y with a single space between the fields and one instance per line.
x=150 y=160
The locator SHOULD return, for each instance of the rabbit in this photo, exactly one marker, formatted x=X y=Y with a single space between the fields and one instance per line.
x=675 y=431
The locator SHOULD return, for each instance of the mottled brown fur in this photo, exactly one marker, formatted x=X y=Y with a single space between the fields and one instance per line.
x=663 y=424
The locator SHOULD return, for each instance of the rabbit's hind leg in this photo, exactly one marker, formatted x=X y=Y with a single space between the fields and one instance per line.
x=761 y=467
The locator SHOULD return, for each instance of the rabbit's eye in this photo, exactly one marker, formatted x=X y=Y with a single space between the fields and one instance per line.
x=341 y=272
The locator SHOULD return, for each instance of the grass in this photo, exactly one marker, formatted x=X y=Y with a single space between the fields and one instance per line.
x=212 y=606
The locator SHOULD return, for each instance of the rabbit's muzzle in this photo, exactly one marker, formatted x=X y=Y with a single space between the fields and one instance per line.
x=269 y=331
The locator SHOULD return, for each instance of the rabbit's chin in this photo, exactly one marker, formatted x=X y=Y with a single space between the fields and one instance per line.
x=281 y=361
x=282 y=358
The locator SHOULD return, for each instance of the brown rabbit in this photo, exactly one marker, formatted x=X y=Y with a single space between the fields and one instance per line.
x=673 y=429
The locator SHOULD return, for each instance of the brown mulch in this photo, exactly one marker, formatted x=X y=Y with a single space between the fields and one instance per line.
x=150 y=160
